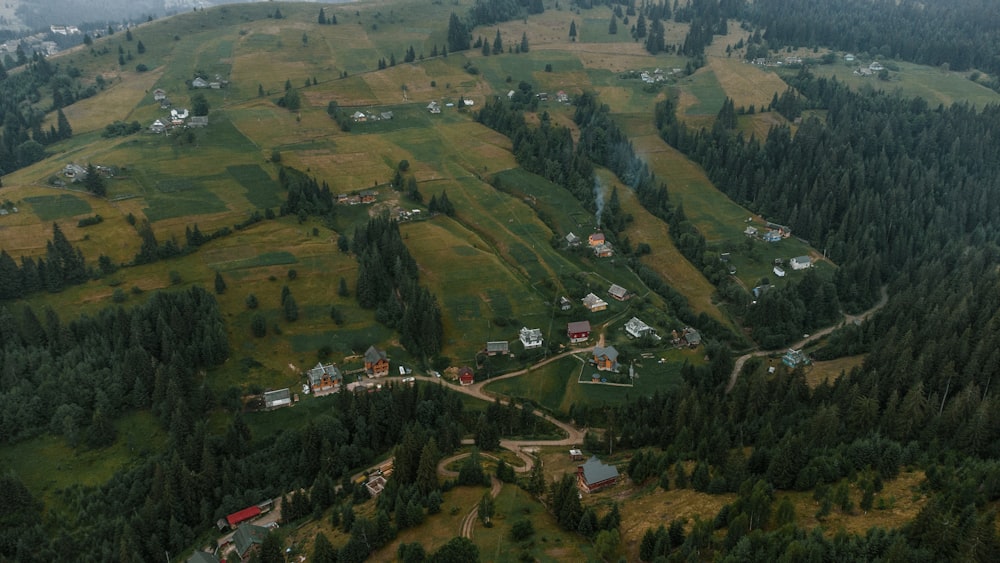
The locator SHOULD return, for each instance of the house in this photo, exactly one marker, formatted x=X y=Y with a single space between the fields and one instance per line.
x=691 y=337
x=359 y=117
x=637 y=329
x=510 y=94
x=771 y=236
x=596 y=239
x=594 y=303
x=202 y=557
x=604 y=250
x=562 y=97
x=215 y=85
x=750 y=231
x=277 y=399
x=849 y=58
x=198 y=121
x=465 y=376
x=795 y=358
x=386 y=115
x=572 y=239
x=75 y=171
x=761 y=290
x=468 y=102
x=530 y=337
x=578 y=331
x=376 y=362
x=368 y=196
x=576 y=455
x=158 y=127
x=801 y=262
x=159 y=94
x=323 y=377
x=179 y=113
x=341 y=198
x=241 y=516
x=497 y=347
x=247 y=538
x=605 y=357
x=876 y=66
x=199 y=82
x=565 y=304
x=618 y=292
x=779 y=271
x=433 y=107
x=594 y=475
x=375 y=485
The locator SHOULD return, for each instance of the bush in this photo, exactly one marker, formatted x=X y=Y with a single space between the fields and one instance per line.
x=522 y=530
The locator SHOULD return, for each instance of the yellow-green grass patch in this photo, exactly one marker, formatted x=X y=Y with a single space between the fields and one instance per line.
x=708 y=96
x=116 y=102
x=47 y=465
x=830 y=370
x=648 y=507
x=933 y=84
x=746 y=84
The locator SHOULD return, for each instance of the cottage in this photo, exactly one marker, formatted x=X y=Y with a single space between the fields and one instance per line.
x=576 y=455
x=198 y=121
x=215 y=85
x=795 y=358
x=750 y=231
x=606 y=357
x=801 y=262
x=849 y=58
x=594 y=475
x=562 y=97
x=342 y=198
x=465 y=376
x=324 y=377
x=179 y=113
x=596 y=239
x=497 y=347
x=691 y=337
x=565 y=304
x=530 y=337
x=578 y=331
x=594 y=303
x=761 y=290
x=359 y=117
x=778 y=271
x=876 y=67
x=572 y=239
x=277 y=399
x=75 y=171
x=604 y=250
x=618 y=292
x=376 y=362
x=433 y=107
x=158 y=127
x=771 y=236
x=368 y=196
x=159 y=94
x=468 y=102
x=637 y=329
x=247 y=538
x=199 y=82
x=386 y=115
x=202 y=557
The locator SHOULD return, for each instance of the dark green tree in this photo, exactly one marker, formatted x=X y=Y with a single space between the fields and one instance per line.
x=220 y=284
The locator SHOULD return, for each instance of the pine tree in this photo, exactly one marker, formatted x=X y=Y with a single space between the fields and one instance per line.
x=140 y=48
x=613 y=26
x=524 y=42
x=322 y=17
x=497 y=44
x=64 y=131
x=323 y=550
x=572 y=30
x=220 y=284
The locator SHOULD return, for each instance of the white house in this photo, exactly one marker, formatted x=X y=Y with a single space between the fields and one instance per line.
x=637 y=329
x=801 y=262
x=277 y=399
x=531 y=337
x=779 y=271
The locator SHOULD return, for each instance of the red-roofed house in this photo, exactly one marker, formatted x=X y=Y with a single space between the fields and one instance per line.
x=578 y=331
x=465 y=376
x=237 y=518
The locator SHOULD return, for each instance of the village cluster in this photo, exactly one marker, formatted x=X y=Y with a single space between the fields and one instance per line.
x=774 y=233
x=596 y=242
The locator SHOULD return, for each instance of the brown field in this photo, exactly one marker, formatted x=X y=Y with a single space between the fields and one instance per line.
x=831 y=370
x=665 y=259
x=745 y=83
x=116 y=102
x=651 y=509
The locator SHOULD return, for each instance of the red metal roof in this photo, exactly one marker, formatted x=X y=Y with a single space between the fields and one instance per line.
x=242 y=516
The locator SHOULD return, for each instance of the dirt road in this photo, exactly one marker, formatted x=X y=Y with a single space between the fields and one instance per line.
x=738 y=366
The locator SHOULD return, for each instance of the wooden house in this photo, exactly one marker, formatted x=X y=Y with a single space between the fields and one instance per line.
x=277 y=399
x=578 y=331
x=465 y=376
x=247 y=540
x=618 y=292
x=376 y=362
x=324 y=377
x=594 y=475
x=605 y=358
x=594 y=303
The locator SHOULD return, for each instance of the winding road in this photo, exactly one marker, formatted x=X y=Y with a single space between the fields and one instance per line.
x=738 y=366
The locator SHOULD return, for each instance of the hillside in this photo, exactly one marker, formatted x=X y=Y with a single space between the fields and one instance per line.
x=358 y=182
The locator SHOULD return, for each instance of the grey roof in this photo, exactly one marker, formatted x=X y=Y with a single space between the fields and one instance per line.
x=373 y=355
x=247 y=535
x=636 y=326
x=608 y=351
x=278 y=395
x=316 y=374
x=802 y=259
x=578 y=326
x=202 y=557
x=617 y=291
x=595 y=471
x=497 y=346
x=692 y=336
